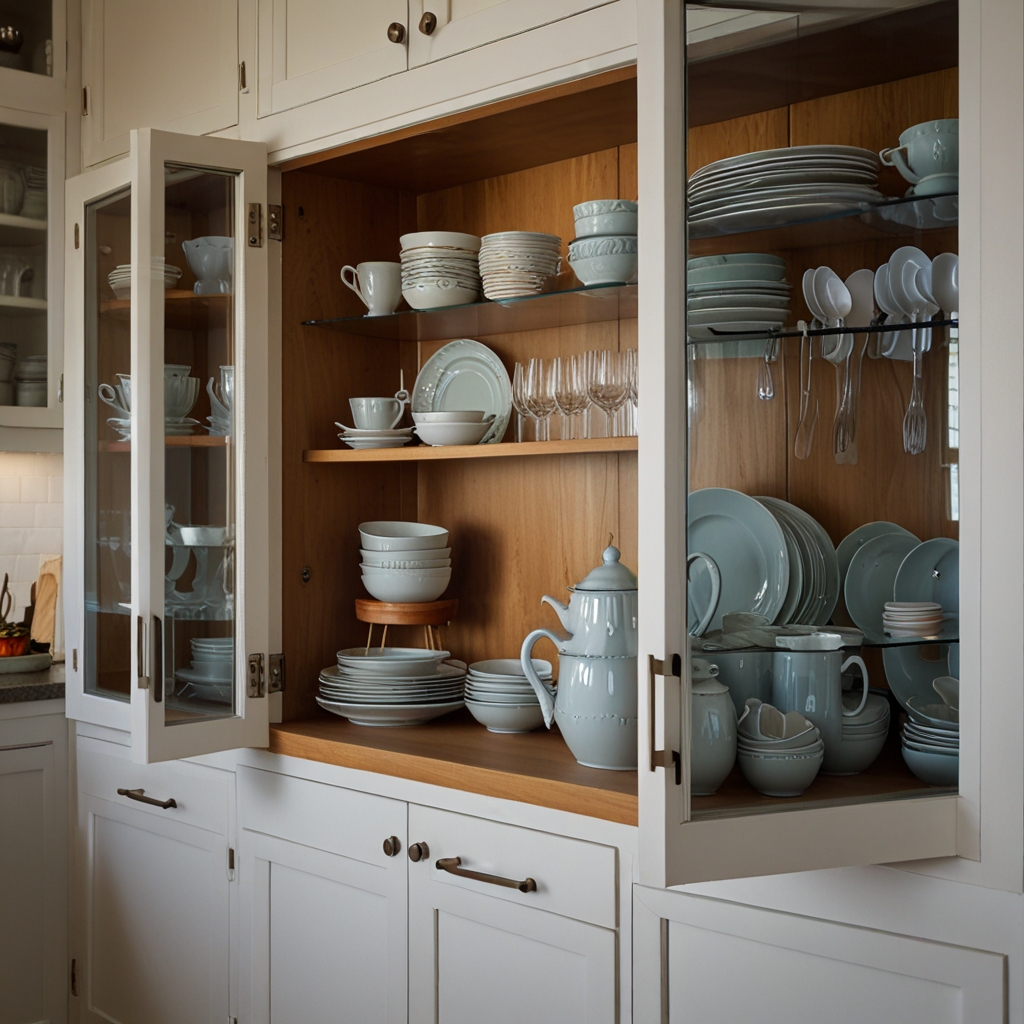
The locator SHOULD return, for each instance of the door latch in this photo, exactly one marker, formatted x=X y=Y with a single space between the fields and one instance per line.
x=662 y=758
x=276 y=682
x=256 y=685
x=275 y=223
x=254 y=226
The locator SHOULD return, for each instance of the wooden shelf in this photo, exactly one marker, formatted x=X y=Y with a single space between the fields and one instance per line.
x=457 y=752
x=16 y=305
x=183 y=310
x=188 y=441
x=21 y=230
x=510 y=449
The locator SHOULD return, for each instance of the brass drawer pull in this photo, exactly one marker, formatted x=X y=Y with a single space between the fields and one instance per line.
x=140 y=795
x=453 y=866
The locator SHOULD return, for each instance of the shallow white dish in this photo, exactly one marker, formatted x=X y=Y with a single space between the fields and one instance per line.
x=456 y=416
x=870 y=578
x=465 y=375
x=507 y=718
x=443 y=434
x=505 y=668
x=931 y=572
x=442 y=239
x=400 y=661
x=383 y=715
x=396 y=535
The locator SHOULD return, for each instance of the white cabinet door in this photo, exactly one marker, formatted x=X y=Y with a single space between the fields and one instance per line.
x=309 y=49
x=439 y=28
x=152 y=945
x=323 y=905
x=699 y=959
x=152 y=65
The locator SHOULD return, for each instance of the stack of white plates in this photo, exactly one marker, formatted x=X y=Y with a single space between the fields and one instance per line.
x=34 y=203
x=514 y=263
x=212 y=673
x=741 y=293
x=439 y=268
x=356 y=438
x=912 y=618
x=931 y=742
x=780 y=186
x=499 y=696
x=391 y=686
x=863 y=737
x=405 y=562
x=778 y=754
x=120 y=277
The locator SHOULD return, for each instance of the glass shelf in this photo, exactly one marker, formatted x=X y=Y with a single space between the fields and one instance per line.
x=819 y=332
x=171 y=441
x=870 y=640
x=596 y=304
x=507 y=449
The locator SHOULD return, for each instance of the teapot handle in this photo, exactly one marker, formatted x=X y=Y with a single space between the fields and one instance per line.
x=545 y=693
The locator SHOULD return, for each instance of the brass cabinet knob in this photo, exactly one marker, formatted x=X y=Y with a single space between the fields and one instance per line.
x=428 y=22
x=396 y=32
x=391 y=846
x=419 y=851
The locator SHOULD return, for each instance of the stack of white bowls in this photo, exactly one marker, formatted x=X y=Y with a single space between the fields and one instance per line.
x=931 y=742
x=405 y=562
x=912 y=618
x=515 y=263
x=467 y=426
x=120 y=277
x=439 y=268
x=735 y=293
x=499 y=696
x=779 y=754
x=34 y=203
x=604 y=250
x=863 y=738
x=30 y=378
x=212 y=672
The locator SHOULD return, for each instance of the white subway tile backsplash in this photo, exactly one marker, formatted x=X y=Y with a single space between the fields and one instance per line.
x=49 y=515
x=14 y=515
x=10 y=488
x=57 y=489
x=35 y=488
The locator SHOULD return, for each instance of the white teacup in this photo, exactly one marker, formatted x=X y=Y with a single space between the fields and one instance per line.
x=378 y=413
x=926 y=149
x=379 y=285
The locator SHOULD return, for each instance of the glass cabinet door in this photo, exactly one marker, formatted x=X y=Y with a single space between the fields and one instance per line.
x=175 y=563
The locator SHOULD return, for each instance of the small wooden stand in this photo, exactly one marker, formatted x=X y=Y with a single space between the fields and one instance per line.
x=431 y=615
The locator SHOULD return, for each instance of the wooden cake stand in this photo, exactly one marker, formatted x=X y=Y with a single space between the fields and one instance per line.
x=431 y=615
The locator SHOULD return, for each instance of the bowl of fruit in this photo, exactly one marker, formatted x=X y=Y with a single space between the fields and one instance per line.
x=15 y=638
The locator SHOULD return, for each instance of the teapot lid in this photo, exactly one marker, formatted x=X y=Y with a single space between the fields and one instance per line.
x=611 y=575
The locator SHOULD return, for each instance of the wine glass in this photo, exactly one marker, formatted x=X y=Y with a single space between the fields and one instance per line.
x=607 y=385
x=519 y=400
x=571 y=396
x=540 y=394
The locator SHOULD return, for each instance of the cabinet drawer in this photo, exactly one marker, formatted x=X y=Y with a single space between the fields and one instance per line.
x=314 y=814
x=201 y=793
x=574 y=878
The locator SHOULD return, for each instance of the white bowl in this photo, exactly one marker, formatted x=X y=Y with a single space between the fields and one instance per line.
x=204 y=536
x=935 y=769
x=853 y=754
x=436 y=296
x=505 y=668
x=596 y=207
x=377 y=557
x=506 y=717
x=394 y=535
x=386 y=560
x=609 y=245
x=440 y=434
x=442 y=239
x=459 y=416
x=517 y=697
x=405 y=589
x=614 y=269
x=606 y=224
x=438 y=572
x=783 y=774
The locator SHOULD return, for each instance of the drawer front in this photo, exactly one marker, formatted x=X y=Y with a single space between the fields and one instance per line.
x=329 y=818
x=573 y=878
x=201 y=794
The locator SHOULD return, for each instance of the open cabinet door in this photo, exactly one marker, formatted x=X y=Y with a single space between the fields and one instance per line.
x=875 y=818
x=168 y=442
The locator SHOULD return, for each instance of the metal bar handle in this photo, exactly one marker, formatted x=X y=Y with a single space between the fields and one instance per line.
x=140 y=795
x=453 y=866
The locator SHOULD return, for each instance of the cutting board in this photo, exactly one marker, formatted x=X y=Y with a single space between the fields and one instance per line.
x=47 y=589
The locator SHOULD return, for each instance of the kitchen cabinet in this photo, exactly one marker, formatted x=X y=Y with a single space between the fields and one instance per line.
x=151 y=66
x=33 y=863
x=168 y=624
x=152 y=929
x=309 y=49
x=32 y=55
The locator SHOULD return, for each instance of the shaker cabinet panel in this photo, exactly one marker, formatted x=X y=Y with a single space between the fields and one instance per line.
x=309 y=49
x=156 y=66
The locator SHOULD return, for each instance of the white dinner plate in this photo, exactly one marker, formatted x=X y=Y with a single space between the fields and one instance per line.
x=465 y=375
x=755 y=199
x=931 y=572
x=749 y=548
x=848 y=546
x=394 y=661
x=389 y=715
x=909 y=673
x=795 y=591
x=722 y=301
x=374 y=697
x=870 y=578
x=827 y=550
x=781 y=178
x=773 y=214
x=739 y=286
x=790 y=156
x=815 y=591
x=792 y=164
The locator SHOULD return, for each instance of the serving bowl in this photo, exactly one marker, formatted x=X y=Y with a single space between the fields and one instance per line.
x=854 y=754
x=405 y=585
x=597 y=207
x=506 y=717
x=441 y=434
x=395 y=535
x=783 y=774
x=606 y=224
x=935 y=769
x=612 y=269
x=438 y=293
x=459 y=416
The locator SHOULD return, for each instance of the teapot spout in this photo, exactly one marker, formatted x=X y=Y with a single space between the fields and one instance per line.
x=544 y=693
x=561 y=610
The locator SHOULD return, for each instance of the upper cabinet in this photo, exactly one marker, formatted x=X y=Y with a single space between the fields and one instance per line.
x=309 y=49
x=439 y=28
x=166 y=535
x=32 y=54
x=156 y=66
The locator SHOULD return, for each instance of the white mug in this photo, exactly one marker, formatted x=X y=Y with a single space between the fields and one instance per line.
x=379 y=285
x=378 y=413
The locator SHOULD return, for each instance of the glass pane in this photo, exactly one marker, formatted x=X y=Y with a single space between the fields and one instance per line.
x=26 y=35
x=200 y=461
x=23 y=349
x=108 y=549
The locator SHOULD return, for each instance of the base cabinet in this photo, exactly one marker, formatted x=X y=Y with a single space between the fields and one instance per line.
x=152 y=943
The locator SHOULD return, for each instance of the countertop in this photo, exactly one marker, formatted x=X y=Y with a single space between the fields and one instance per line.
x=47 y=684
x=458 y=753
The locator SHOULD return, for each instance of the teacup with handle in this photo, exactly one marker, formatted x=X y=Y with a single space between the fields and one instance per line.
x=379 y=285
x=378 y=413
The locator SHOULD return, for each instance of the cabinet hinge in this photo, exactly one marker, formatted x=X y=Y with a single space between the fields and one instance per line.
x=60 y=389
x=77 y=239
x=85 y=101
x=254 y=227
x=74 y=659
x=256 y=686
x=276 y=682
x=275 y=223
x=231 y=864
x=74 y=978
x=242 y=85
x=662 y=758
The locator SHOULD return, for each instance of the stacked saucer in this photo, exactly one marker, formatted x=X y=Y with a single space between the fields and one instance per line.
x=863 y=738
x=912 y=618
x=120 y=277
x=34 y=203
x=779 y=754
x=930 y=740
x=736 y=293
x=514 y=263
x=212 y=672
x=392 y=686
x=358 y=439
x=439 y=268
x=499 y=696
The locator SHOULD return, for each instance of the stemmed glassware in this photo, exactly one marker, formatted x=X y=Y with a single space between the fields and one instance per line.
x=571 y=395
x=608 y=385
x=540 y=394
